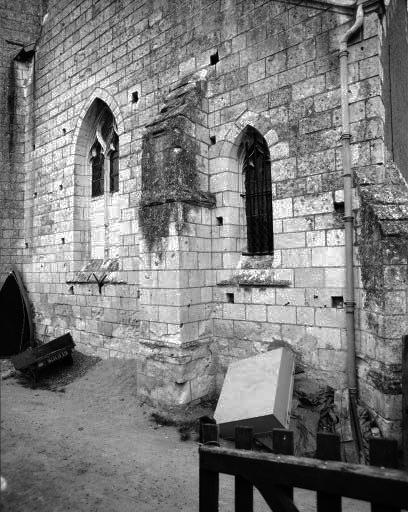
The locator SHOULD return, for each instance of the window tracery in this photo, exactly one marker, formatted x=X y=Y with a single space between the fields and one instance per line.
x=104 y=155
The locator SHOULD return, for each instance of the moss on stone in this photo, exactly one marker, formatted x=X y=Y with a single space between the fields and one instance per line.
x=170 y=174
x=370 y=253
x=167 y=178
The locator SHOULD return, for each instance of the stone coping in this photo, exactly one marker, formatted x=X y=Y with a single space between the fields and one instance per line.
x=389 y=204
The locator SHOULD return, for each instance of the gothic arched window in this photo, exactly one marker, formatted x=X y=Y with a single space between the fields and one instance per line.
x=256 y=170
x=104 y=155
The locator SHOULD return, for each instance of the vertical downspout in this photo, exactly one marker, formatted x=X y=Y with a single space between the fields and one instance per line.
x=348 y=227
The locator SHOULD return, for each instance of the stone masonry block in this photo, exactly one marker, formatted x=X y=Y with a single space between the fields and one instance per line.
x=202 y=386
x=327 y=338
x=256 y=331
x=289 y=240
x=298 y=224
x=276 y=63
x=256 y=312
x=307 y=205
x=234 y=311
x=292 y=76
x=335 y=277
x=277 y=226
x=282 y=208
x=335 y=237
x=294 y=335
x=223 y=328
x=290 y=296
x=279 y=151
x=315 y=238
x=330 y=317
x=282 y=314
x=396 y=302
x=305 y=316
x=263 y=296
x=283 y=169
x=328 y=257
x=332 y=360
x=309 y=277
x=169 y=314
x=369 y=67
x=256 y=71
x=309 y=87
x=293 y=258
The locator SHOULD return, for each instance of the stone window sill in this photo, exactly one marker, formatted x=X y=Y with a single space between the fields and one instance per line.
x=255 y=278
x=98 y=271
x=95 y=279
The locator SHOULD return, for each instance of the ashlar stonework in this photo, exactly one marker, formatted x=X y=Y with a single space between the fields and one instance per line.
x=157 y=267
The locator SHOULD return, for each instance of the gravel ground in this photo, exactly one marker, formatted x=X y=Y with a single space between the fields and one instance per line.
x=83 y=441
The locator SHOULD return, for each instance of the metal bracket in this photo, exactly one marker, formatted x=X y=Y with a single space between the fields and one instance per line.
x=100 y=282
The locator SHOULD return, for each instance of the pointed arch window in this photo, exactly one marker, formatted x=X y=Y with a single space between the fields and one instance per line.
x=258 y=193
x=104 y=155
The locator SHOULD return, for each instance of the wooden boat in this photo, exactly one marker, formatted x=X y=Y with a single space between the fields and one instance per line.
x=16 y=325
x=35 y=358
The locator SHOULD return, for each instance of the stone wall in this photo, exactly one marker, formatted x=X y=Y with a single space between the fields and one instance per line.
x=20 y=24
x=382 y=228
x=292 y=96
x=394 y=48
x=192 y=304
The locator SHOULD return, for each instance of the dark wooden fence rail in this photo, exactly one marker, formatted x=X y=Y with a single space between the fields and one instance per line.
x=275 y=475
x=328 y=448
x=405 y=400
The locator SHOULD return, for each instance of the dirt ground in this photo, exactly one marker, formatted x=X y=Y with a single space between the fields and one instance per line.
x=83 y=441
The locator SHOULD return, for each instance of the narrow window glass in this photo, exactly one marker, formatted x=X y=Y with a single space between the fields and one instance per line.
x=114 y=166
x=258 y=195
x=97 y=160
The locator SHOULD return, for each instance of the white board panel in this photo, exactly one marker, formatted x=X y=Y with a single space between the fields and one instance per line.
x=257 y=392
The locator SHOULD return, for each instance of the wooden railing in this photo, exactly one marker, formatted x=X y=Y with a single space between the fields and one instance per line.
x=276 y=474
x=404 y=384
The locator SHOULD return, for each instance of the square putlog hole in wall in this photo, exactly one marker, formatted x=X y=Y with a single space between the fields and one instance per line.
x=220 y=221
x=337 y=302
x=214 y=58
x=135 y=96
x=339 y=207
x=230 y=298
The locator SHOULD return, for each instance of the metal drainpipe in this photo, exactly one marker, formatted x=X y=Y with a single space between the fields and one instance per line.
x=348 y=227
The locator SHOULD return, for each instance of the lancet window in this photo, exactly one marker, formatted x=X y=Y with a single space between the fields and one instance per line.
x=256 y=170
x=104 y=155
